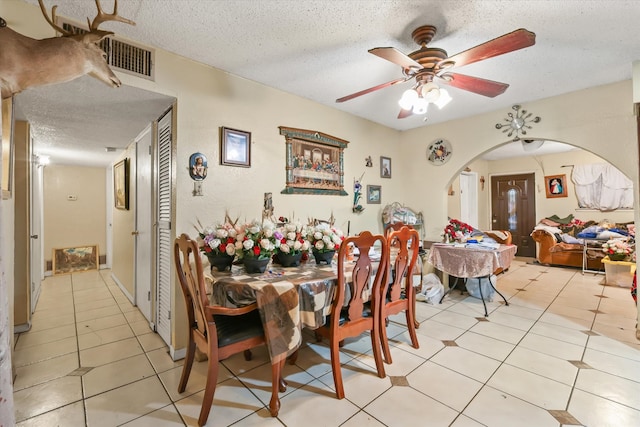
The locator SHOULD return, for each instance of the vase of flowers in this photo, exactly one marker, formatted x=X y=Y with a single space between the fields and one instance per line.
x=218 y=243
x=617 y=249
x=456 y=231
x=257 y=245
x=291 y=244
x=324 y=241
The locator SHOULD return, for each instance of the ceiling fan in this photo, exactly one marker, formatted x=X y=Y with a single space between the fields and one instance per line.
x=429 y=63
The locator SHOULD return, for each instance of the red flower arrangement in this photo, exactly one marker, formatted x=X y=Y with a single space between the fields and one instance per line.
x=456 y=230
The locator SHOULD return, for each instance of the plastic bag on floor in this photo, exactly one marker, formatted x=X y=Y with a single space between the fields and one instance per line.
x=432 y=290
x=488 y=291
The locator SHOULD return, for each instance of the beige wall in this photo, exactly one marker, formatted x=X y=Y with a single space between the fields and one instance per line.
x=74 y=223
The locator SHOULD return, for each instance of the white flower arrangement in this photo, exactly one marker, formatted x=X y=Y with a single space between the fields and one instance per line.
x=324 y=238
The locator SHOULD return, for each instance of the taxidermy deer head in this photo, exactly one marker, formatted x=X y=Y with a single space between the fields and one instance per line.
x=26 y=62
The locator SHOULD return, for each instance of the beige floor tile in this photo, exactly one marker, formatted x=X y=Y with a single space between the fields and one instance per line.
x=609 y=345
x=467 y=362
x=315 y=404
x=530 y=387
x=516 y=310
x=464 y=421
x=126 y=403
x=487 y=346
x=362 y=419
x=41 y=324
x=197 y=379
x=151 y=341
x=45 y=397
x=163 y=417
x=107 y=353
x=439 y=331
x=38 y=353
x=104 y=336
x=37 y=373
x=141 y=327
x=496 y=409
x=592 y=410
x=611 y=387
x=560 y=333
x=232 y=402
x=237 y=364
x=612 y=364
x=428 y=346
x=444 y=385
x=505 y=318
x=29 y=339
x=405 y=400
x=95 y=304
x=542 y=364
x=93 y=325
x=624 y=334
x=116 y=374
x=161 y=360
x=499 y=332
x=552 y=347
x=454 y=319
x=97 y=313
x=134 y=316
x=67 y=416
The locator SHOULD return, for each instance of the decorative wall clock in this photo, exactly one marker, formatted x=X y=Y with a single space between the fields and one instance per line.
x=439 y=152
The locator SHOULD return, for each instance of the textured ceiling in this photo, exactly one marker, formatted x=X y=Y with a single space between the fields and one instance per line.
x=318 y=49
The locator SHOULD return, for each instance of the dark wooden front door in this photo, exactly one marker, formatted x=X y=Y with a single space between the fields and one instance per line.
x=513 y=208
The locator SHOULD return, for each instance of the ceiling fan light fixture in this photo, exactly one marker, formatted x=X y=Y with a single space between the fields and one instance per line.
x=420 y=106
x=409 y=97
x=532 y=144
x=443 y=99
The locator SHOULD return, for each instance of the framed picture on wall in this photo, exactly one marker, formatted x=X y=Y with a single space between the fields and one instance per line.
x=235 y=147
x=374 y=194
x=121 y=184
x=555 y=186
x=385 y=167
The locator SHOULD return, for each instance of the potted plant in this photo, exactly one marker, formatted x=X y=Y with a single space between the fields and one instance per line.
x=291 y=243
x=218 y=243
x=324 y=241
x=257 y=243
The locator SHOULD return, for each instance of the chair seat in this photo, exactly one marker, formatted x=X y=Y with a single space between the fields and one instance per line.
x=344 y=314
x=233 y=329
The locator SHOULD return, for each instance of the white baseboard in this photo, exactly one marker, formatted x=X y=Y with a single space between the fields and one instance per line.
x=177 y=354
x=122 y=288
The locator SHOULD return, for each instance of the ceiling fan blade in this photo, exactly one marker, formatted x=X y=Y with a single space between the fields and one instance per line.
x=474 y=84
x=392 y=54
x=405 y=113
x=514 y=40
x=372 y=89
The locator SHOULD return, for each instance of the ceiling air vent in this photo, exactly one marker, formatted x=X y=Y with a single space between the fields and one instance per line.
x=121 y=55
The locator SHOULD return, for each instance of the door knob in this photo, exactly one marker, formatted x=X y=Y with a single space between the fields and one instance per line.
x=34 y=236
x=135 y=233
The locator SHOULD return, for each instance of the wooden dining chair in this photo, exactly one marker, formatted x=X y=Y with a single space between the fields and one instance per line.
x=394 y=226
x=216 y=331
x=397 y=290
x=356 y=311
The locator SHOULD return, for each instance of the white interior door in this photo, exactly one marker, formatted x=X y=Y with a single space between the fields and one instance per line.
x=35 y=231
x=144 y=229
x=469 y=198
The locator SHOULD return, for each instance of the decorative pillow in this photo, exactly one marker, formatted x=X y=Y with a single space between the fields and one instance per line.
x=549 y=222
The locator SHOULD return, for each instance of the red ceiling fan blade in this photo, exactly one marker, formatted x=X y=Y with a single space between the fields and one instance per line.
x=372 y=89
x=515 y=40
x=392 y=54
x=405 y=113
x=474 y=84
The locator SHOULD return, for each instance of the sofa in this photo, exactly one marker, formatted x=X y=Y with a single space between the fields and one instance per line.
x=561 y=240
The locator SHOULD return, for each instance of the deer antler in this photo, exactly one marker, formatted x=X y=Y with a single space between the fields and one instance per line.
x=102 y=17
x=51 y=20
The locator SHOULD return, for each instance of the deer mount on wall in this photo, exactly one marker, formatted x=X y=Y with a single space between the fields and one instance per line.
x=27 y=62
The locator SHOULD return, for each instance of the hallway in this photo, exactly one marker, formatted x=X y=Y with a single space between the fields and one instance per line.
x=562 y=353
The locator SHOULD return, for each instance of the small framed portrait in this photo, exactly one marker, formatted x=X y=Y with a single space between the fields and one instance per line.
x=121 y=184
x=385 y=167
x=235 y=147
x=374 y=194
x=555 y=186
x=198 y=166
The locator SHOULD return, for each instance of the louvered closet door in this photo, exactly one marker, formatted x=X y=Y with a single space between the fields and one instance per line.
x=163 y=215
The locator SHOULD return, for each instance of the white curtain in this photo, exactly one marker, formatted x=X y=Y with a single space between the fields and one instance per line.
x=602 y=186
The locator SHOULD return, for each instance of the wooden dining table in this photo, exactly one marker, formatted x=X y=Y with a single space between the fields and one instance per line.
x=288 y=300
